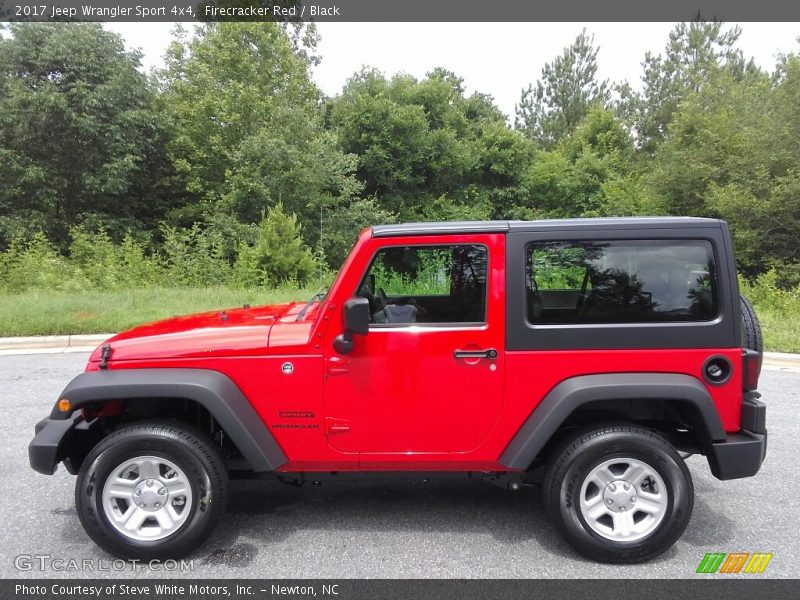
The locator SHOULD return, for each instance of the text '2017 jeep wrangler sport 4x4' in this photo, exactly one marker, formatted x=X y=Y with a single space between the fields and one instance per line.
x=583 y=355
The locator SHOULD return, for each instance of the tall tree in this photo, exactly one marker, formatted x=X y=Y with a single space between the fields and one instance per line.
x=695 y=52
x=423 y=144
x=78 y=133
x=732 y=151
x=566 y=90
x=590 y=173
x=249 y=130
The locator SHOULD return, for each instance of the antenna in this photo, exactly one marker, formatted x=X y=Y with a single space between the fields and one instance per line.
x=320 y=250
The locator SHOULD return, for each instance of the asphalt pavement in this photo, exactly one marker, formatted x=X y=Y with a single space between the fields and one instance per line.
x=442 y=529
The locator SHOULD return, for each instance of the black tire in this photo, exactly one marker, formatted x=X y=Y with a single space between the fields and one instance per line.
x=751 y=328
x=580 y=454
x=184 y=446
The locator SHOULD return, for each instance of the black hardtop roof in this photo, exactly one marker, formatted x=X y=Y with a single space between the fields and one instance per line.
x=447 y=227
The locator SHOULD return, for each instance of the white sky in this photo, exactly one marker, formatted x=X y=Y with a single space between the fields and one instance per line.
x=495 y=58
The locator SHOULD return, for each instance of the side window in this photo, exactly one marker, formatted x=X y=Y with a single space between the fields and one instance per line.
x=427 y=284
x=621 y=282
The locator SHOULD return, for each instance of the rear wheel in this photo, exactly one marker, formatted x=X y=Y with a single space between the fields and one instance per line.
x=619 y=493
x=151 y=490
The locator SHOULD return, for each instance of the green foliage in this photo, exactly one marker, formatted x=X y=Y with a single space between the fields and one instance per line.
x=342 y=224
x=423 y=142
x=278 y=255
x=558 y=269
x=36 y=264
x=248 y=125
x=271 y=255
x=95 y=262
x=195 y=256
x=590 y=173
x=565 y=92
x=732 y=152
x=78 y=133
x=99 y=263
x=431 y=277
x=137 y=268
x=778 y=309
x=695 y=54
x=213 y=89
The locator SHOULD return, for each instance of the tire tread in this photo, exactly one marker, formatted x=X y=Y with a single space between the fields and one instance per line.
x=751 y=328
x=193 y=441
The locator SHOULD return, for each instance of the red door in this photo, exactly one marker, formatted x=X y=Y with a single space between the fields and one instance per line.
x=428 y=377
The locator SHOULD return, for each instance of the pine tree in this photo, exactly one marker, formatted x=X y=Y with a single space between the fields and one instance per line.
x=566 y=90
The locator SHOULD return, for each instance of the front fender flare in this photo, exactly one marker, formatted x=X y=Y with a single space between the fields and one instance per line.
x=213 y=390
x=575 y=392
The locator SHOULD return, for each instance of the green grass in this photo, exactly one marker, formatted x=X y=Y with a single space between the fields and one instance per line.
x=781 y=331
x=44 y=312
x=778 y=311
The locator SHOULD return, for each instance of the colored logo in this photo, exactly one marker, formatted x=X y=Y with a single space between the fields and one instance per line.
x=735 y=562
x=287 y=368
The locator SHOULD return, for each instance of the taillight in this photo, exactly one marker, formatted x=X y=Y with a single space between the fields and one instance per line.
x=751 y=370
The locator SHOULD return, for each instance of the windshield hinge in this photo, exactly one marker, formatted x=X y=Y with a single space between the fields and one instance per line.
x=105 y=355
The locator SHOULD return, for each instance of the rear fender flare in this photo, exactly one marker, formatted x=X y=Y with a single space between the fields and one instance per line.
x=571 y=394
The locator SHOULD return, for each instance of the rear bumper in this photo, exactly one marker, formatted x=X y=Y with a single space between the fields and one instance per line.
x=46 y=449
x=742 y=453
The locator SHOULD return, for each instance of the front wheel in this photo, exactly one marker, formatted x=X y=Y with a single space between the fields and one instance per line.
x=151 y=490
x=619 y=494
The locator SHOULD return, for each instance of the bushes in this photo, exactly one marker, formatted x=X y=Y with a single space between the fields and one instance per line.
x=778 y=310
x=269 y=255
x=98 y=263
x=767 y=293
x=194 y=257
x=35 y=263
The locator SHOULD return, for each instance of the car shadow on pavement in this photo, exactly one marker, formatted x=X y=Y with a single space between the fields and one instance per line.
x=264 y=513
x=708 y=528
x=268 y=512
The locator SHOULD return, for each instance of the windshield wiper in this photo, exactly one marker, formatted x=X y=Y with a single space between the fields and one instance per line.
x=318 y=296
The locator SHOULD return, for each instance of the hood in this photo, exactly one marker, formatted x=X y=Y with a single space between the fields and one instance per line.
x=229 y=332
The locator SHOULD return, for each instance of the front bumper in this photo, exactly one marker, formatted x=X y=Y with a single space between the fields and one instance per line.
x=742 y=453
x=51 y=442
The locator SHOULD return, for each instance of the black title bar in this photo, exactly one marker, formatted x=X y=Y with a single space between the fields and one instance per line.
x=398 y=11
x=733 y=588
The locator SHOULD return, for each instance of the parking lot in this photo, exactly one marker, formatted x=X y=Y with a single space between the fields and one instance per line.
x=443 y=529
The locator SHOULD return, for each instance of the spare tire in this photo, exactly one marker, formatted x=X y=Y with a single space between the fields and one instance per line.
x=751 y=328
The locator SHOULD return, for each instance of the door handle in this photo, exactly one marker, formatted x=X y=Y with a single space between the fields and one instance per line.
x=489 y=353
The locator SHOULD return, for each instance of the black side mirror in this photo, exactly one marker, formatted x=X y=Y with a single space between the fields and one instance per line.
x=356 y=322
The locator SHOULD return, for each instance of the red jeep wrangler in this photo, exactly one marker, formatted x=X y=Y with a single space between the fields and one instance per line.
x=582 y=355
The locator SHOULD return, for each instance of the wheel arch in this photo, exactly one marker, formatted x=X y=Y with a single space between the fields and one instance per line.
x=627 y=394
x=212 y=390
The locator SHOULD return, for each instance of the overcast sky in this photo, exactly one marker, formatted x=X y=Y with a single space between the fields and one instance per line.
x=495 y=58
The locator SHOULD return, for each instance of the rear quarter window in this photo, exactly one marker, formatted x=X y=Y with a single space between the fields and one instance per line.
x=624 y=281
